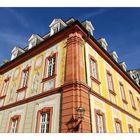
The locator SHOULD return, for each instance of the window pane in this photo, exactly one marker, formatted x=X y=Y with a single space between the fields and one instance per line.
x=51 y=66
x=122 y=92
x=44 y=124
x=110 y=82
x=100 y=123
x=132 y=100
x=25 y=77
x=118 y=127
x=93 y=69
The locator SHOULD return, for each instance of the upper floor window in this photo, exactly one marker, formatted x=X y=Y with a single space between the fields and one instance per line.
x=93 y=64
x=51 y=66
x=5 y=87
x=24 y=78
x=123 y=93
x=100 y=124
x=110 y=81
x=118 y=126
x=44 y=119
x=132 y=100
x=14 y=123
x=138 y=103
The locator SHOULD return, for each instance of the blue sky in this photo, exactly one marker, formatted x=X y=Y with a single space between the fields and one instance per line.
x=120 y=27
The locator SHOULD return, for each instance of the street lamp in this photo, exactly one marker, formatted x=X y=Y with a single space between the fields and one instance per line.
x=81 y=112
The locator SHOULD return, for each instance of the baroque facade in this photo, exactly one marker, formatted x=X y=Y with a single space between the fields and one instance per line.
x=66 y=81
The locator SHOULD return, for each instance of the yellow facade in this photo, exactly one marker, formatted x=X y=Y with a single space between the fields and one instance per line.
x=110 y=111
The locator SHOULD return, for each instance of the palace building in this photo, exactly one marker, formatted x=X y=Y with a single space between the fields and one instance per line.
x=67 y=82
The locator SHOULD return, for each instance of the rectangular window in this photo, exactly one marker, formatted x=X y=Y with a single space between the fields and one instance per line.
x=14 y=126
x=24 y=78
x=132 y=100
x=51 y=66
x=123 y=93
x=93 y=68
x=44 y=119
x=100 y=123
x=44 y=123
x=5 y=87
x=110 y=82
x=130 y=128
x=138 y=103
x=14 y=123
x=118 y=126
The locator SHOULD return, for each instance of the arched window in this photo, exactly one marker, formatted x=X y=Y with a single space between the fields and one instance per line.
x=35 y=83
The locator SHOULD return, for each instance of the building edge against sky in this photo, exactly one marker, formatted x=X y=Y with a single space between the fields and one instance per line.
x=66 y=81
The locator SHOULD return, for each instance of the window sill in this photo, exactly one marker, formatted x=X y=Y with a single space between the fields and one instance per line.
x=124 y=101
x=96 y=80
x=3 y=96
x=48 y=78
x=112 y=92
x=22 y=89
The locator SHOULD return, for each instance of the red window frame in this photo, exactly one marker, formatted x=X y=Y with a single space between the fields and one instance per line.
x=130 y=127
x=96 y=79
x=12 y=119
x=112 y=91
x=27 y=81
x=123 y=94
x=46 y=77
x=132 y=100
x=2 y=95
x=116 y=120
x=44 y=110
x=100 y=113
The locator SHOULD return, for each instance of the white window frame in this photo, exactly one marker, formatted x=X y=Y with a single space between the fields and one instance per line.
x=100 y=123
x=93 y=68
x=14 y=126
x=51 y=66
x=25 y=78
x=44 y=122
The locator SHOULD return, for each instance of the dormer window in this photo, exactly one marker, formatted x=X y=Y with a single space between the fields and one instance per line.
x=123 y=65
x=89 y=27
x=103 y=43
x=114 y=56
x=34 y=40
x=16 y=52
x=56 y=26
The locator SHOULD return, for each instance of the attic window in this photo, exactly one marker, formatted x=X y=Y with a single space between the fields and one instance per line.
x=34 y=40
x=56 y=26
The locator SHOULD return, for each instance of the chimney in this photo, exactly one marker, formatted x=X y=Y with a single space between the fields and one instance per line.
x=123 y=65
x=16 y=52
x=114 y=55
x=34 y=40
x=88 y=26
x=103 y=43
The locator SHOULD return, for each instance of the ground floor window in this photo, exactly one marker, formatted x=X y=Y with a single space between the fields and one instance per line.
x=44 y=120
x=14 y=124
x=118 y=125
x=100 y=121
